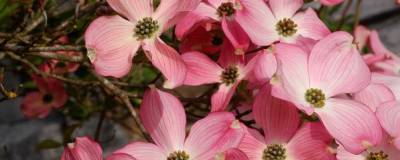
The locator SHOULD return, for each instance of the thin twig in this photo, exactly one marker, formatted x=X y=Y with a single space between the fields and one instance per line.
x=344 y=13
x=358 y=13
x=68 y=80
x=125 y=99
x=126 y=84
x=257 y=49
x=13 y=47
x=5 y=35
x=6 y=93
x=56 y=56
x=44 y=74
x=32 y=25
x=99 y=125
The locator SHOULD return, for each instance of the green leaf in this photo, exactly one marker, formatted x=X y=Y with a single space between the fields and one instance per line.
x=7 y=8
x=29 y=85
x=142 y=75
x=78 y=112
x=68 y=131
x=48 y=144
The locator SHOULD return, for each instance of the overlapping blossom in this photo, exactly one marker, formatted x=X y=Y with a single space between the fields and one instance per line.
x=389 y=116
x=113 y=41
x=84 y=148
x=283 y=137
x=164 y=118
x=293 y=68
x=333 y=68
x=51 y=94
x=230 y=72
x=279 y=20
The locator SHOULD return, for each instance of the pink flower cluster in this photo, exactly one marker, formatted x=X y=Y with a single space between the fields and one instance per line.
x=301 y=71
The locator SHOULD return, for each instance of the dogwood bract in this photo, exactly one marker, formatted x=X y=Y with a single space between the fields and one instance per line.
x=113 y=41
x=283 y=138
x=164 y=118
x=313 y=81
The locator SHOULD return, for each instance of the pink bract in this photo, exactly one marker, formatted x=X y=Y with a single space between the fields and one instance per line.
x=381 y=60
x=230 y=71
x=331 y=2
x=383 y=88
x=278 y=21
x=203 y=39
x=389 y=117
x=266 y=64
x=385 y=148
x=51 y=95
x=84 y=148
x=223 y=11
x=280 y=122
x=232 y=154
x=112 y=41
x=59 y=67
x=313 y=81
x=164 y=118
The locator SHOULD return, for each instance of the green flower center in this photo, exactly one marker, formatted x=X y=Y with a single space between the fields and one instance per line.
x=230 y=75
x=226 y=9
x=47 y=98
x=178 y=155
x=274 y=152
x=146 y=28
x=286 y=27
x=377 y=156
x=315 y=97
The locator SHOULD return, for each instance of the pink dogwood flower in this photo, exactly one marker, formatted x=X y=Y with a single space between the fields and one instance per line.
x=203 y=39
x=383 y=88
x=278 y=21
x=391 y=82
x=231 y=154
x=361 y=36
x=228 y=74
x=112 y=41
x=85 y=148
x=225 y=12
x=381 y=60
x=266 y=64
x=313 y=81
x=163 y=116
x=61 y=67
x=283 y=138
x=51 y=94
x=389 y=117
x=389 y=149
x=391 y=63
x=384 y=151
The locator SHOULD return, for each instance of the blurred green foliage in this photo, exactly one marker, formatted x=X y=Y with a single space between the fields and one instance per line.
x=7 y=8
x=48 y=144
